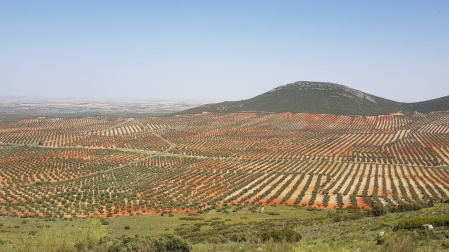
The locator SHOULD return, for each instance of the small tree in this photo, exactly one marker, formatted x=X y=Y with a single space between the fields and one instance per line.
x=378 y=210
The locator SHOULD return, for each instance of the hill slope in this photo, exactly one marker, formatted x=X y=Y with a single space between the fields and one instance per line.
x=439 y=104
x=320 y=98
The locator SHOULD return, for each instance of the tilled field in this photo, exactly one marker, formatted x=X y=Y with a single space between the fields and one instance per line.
x=109 y=166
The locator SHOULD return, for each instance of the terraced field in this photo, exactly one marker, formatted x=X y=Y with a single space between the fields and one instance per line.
x=110 y=166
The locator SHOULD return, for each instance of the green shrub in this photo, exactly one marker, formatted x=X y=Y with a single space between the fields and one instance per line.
x=137 y=243
x=445 y=245
x=172 y=243
x=404 y=207
x=417 y=222
x=353 y=208
x=401 y=242
x=287 y=235
x=352 y=213
x=380 y=239
x=238 y=237
x=86 y=245
x=191 y=218
x=378 y=210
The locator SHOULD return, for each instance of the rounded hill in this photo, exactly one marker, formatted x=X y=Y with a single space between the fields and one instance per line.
x=320 y=98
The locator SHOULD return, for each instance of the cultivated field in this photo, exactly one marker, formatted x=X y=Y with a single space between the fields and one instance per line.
x=111 y=166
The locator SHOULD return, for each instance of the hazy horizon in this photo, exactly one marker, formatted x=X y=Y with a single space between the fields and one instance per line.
x=98 y=98
x=217 y=51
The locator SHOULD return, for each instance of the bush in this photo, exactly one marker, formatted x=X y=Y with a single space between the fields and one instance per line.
x=417 y=222
x=238 y=238
x=86 y=245
x=353 y=208
x=402 y=242
x=445 y=245
x=378 y=210
x=287 y=235
x=137 y=243
x=127 y=227
x=172 y=243
x=352 y=213
x=404 y=207
x=191 y=218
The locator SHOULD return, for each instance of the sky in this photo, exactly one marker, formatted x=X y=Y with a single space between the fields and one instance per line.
x=222 y=50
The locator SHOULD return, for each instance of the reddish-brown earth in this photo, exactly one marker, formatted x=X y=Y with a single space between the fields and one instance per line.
x=77 y=166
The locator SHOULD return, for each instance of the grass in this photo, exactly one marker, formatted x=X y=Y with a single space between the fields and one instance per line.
x=318 y=229
x=18 y=234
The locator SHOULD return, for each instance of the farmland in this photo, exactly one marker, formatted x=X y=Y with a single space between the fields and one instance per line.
x=113 y=166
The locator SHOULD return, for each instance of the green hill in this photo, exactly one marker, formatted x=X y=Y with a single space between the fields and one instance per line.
x=320 y=98
x=439 y=104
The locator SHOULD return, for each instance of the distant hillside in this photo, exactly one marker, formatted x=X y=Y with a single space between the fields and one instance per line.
x=439 y=104
x=320 y=98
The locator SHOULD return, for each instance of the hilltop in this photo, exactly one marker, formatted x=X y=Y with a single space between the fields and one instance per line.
x=321 y=98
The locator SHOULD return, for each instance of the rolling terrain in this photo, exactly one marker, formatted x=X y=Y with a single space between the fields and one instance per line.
x=112 y=166
x=321 y=98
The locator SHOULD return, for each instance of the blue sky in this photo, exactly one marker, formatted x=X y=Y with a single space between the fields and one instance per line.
x=222 y=50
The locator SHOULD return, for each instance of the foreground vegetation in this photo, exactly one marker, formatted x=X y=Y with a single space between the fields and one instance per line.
x=236 y=228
